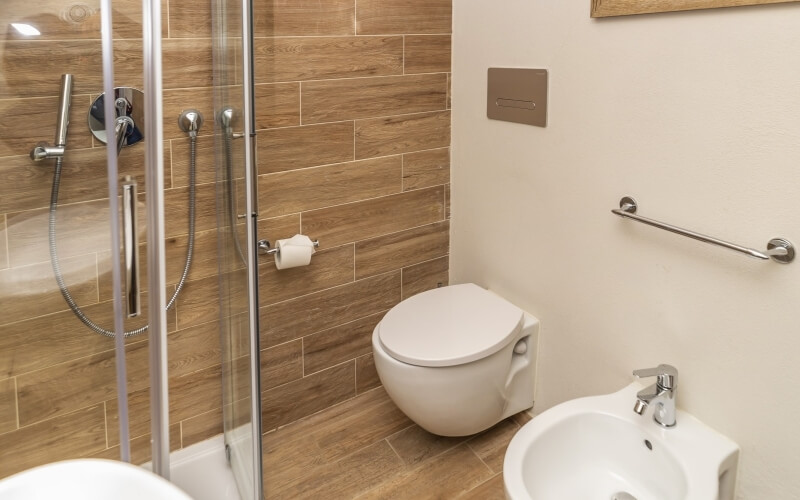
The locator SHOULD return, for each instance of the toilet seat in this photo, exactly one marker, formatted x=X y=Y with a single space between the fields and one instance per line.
x=449 y=326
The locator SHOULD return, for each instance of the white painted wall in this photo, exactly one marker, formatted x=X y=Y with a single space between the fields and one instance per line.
x=696 y=115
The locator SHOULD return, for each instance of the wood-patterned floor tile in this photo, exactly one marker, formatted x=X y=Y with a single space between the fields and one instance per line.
x=493 y=489
x=445 y=476
x=415 y=444
x=491 y=444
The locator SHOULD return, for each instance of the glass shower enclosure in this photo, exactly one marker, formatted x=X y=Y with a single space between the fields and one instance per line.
x=134 y=386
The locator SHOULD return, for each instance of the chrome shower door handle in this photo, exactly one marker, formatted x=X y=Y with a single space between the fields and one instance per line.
x=130 y=237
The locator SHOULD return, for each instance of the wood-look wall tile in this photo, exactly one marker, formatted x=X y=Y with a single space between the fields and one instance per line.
x=290 y=148
x=58 y=21
x=449 y=91
x=83 y=178
x=309 y=188
x=141 y=447
x=296 y=318
x=198 y=302
x=66 y=387
x=3 y=243
x=18 y=137
x=328 y=268
x=447 y=200
x=32 y=291
x=192 y=349
x=73 y=435
x=61 y=337
x=201 y=427
x=427 y=53
x=403 y=16
x=337 y=100
x=406 y=248
x=189 y=19
x=490 y=445
x=371 y=218
x=175 y=101
x=289 y=402
x=446 y=476
x=277 y=105
x=199 y=392
x=138 y=416
x=492 y=489
x=205 y=169
x=81 y=228
x=426 y=168
x=425 y=276
x=402 y=134
x=303 y=18
x=8 y=405
x=187 y=63
x=176 y=202
x=23 y=79
x=416 y=445
x=191 y=395
x=338 y=344
x=281 y=364
x=366 y=375
x=278 y=228
x=204 y=263
x=321 y=58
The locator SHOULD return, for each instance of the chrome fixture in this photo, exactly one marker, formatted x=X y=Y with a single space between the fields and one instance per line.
x=226 y=120
x=190 y=122
x=43 y=150
x=778 y=249
x=129 y=104
x=129 y=122
x=662 y=393
x=265 y=247
x=130 y=241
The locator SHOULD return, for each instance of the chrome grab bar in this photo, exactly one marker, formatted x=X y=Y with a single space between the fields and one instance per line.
x=130 y=237
x=778 y=249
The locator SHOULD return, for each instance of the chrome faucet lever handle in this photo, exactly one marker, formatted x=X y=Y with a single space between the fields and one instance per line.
x=667 y=375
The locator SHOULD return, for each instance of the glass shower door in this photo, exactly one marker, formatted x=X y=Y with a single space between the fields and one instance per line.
x=236 y=226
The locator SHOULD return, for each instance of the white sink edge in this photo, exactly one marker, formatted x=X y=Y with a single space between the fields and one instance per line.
x=717 y=448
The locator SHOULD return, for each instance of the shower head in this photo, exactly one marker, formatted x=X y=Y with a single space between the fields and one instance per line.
x=63 y=110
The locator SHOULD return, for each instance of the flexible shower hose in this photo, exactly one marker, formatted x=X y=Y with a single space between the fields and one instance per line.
x=62 y=286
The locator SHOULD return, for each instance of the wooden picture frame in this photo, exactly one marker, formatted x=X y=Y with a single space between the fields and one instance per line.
x=609 y=8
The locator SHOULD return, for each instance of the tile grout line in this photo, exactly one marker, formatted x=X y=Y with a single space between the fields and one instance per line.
x=16 y=400
x=5 y=237
x=478 y=456
x=105 y=422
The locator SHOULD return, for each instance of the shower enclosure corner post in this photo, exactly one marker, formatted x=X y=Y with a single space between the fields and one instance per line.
x=154 y=179
x=116 y=272
x=251 y=183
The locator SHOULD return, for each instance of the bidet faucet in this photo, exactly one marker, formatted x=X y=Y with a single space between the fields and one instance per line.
x=662 y=394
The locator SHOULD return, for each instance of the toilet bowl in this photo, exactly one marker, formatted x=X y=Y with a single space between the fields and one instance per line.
x=457 y=359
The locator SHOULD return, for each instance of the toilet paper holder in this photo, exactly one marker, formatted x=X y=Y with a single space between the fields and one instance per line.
x=264 y=247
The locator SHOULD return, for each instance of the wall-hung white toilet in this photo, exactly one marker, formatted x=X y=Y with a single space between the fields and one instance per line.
x=457 y=359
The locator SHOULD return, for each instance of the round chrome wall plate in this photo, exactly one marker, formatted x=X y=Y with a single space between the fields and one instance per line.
x=132 y=106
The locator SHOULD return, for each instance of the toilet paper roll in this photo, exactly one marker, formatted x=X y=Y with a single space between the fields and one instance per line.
x=294 y=252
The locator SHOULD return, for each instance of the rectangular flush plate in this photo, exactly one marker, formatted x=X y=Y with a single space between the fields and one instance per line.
x=517 y=95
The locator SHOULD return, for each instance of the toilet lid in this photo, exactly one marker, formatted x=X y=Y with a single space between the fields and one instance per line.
x=449 y=326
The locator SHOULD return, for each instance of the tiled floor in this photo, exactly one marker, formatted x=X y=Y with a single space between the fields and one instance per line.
x=366 y=448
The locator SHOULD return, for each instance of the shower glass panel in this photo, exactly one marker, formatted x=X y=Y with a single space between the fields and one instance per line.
x=236 y=226
x=58 y=390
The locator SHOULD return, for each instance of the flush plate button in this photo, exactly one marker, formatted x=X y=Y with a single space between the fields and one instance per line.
x=517 y=95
